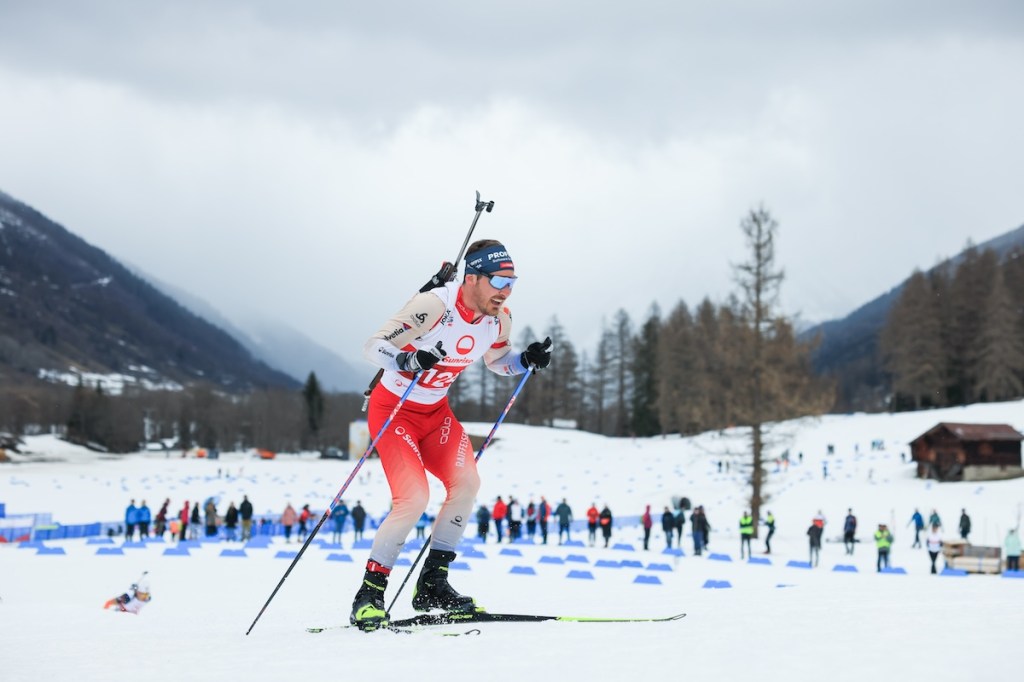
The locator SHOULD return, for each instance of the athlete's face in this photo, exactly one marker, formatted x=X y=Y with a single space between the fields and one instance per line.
x=484 y=297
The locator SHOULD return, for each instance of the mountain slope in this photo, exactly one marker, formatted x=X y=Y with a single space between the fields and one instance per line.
x=65 y=303
x=276 y=344
x=849 y=346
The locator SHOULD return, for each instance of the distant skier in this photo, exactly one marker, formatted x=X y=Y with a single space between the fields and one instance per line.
x=133 y=600
x=770 y=522
x=849 y=531
x=814 y=542
x=965 y=524
x=918 y=522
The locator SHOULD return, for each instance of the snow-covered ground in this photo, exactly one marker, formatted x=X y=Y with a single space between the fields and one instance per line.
x=773 y=622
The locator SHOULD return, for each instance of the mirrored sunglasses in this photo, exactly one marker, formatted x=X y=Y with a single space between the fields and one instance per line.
x=497 y=281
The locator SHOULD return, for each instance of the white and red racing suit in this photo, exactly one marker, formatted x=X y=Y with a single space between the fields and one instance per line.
x=424 y=435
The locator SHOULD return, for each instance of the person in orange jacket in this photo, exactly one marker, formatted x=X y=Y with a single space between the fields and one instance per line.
x=592 y=515
x=498 y=515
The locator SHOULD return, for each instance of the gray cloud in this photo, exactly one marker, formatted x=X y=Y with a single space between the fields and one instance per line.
x=317 y=161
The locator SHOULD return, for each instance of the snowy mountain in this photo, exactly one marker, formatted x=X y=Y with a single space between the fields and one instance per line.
x=67 y=309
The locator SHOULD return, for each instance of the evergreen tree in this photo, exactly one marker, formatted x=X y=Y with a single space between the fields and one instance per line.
x=970 y=288
x=621 y=360
x=313 y=402
x=645 y=377
x=911 y=344
x=1000 y=367
x=776 y=383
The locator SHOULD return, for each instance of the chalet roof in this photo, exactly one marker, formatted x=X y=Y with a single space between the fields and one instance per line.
x=976 y=432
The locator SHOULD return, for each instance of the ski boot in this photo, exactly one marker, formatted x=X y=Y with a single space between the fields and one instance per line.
x=432 y=590
x=368 y=611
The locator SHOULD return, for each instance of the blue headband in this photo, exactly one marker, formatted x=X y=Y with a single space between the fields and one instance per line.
x=489 y=260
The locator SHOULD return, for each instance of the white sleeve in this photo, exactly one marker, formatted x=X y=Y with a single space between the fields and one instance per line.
x=416 y=318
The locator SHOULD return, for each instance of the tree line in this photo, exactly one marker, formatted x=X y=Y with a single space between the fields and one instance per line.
x=711 y=366
x=956 y=334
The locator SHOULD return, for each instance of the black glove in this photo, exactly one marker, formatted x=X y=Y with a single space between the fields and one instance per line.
x=443 y=276
x=422 y=359
x=537 y=354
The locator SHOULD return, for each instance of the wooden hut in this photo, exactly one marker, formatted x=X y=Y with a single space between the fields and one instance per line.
x=968 y=452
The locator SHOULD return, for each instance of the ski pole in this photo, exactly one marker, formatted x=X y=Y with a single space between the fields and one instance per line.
x=443 y=276
x=479 y=454
x=337 y=498
x=448 y=270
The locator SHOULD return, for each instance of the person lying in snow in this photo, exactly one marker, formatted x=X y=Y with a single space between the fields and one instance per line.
x=133 y=600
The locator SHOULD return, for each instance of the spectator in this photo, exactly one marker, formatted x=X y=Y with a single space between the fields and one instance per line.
x=145 y=516
x=194 y=521
x=965 y=524
x=604 y=519
x=770 y=522
x=564 y=514
x=131 y=517
x=699 y=526
x=245 y=514
x=160 y=522
x=918 y=522
x=814 y=537
x=647 y=522
x=483 y=522
x=746 y=533
x=883 y=542
x=421 y=525
x=288 y=519
x=849 y=531
x=358 y=520
x=531 y=520
x=498 y=516
x=668 y=525
x=592 y=516
x=680 y=522
x=338 y=516
x=934 y=544
x=210 y=512
x=543 y=516
x=1012 y=546
x=183 y=517
x=230 y=521
x=934 y=520
x=513 y=514
x=304 y=517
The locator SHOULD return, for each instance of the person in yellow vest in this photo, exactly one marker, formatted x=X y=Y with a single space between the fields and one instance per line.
x=746 y=532
x=883 y=541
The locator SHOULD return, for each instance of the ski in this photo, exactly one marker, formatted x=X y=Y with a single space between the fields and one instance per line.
x=424 y=620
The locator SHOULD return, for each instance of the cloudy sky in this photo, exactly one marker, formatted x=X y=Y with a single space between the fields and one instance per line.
x=314 y=162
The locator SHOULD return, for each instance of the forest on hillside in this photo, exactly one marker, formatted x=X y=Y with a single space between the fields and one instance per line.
x=955 y=336
x=693 y=369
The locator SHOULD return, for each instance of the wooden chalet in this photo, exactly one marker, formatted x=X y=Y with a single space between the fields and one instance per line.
x=968 y=452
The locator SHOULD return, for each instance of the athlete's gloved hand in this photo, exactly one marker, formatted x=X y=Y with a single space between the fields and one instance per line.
x=443 y=276
x=422 y=359
x=537 y=354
